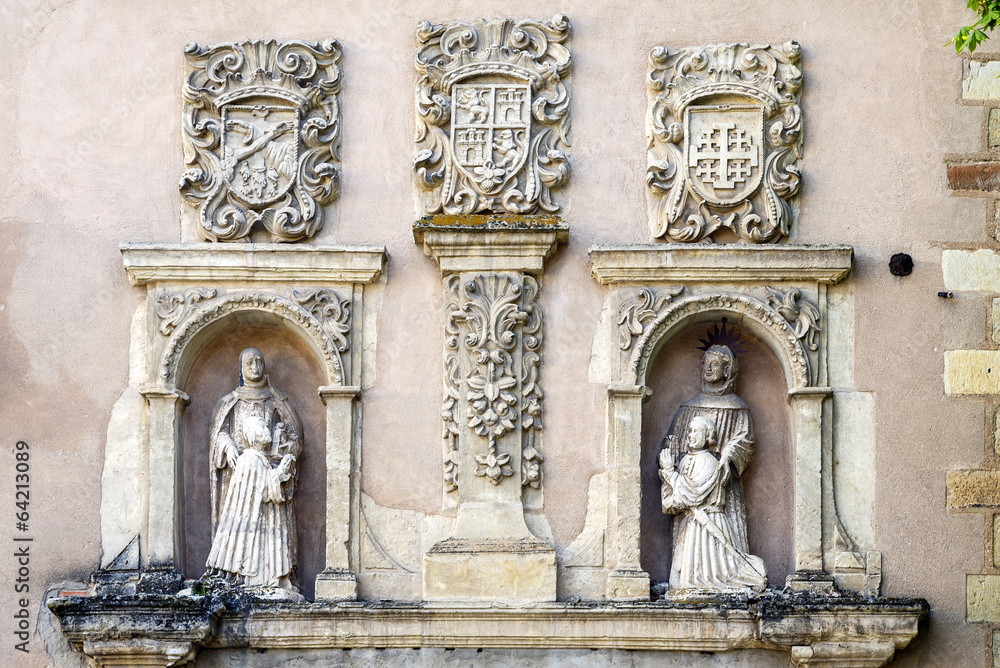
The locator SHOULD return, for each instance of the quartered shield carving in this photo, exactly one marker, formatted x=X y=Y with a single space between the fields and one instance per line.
x=489 y=132
x=261 y=138
x=492 y=116
x=725 y=139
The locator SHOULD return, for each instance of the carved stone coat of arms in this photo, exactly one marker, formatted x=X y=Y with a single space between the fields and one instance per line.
x=725 y=132
x=262 y=137
x=492 y=116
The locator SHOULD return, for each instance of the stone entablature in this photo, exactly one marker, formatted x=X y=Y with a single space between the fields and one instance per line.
x=815 y=630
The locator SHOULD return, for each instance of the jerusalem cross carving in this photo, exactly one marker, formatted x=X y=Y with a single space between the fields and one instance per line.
x=725 y=140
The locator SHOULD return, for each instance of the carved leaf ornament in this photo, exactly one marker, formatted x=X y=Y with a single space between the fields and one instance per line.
x=492 y=115
x=261 y=130
x=725 y=138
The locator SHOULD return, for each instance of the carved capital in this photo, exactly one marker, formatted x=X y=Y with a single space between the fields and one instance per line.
x=261 y=130
x=492 y=115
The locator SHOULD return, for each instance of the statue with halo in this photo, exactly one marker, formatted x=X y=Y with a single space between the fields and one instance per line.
x=709 y=447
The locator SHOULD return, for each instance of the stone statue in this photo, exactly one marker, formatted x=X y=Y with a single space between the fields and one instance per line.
x=709 y=446
x=255 y=443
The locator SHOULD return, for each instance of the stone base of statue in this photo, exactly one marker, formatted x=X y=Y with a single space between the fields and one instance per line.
x=490 y=569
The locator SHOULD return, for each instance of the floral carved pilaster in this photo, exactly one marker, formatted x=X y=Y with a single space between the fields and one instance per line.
x=492 y=407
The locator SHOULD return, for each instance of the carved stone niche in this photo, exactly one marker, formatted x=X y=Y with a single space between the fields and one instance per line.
x=779 y=296
x=725 y=139
x=492 y=116
x=492 y=436
x=261 y=131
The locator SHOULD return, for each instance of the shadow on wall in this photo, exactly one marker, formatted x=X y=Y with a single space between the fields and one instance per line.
x=293 y=370
x=768 y=483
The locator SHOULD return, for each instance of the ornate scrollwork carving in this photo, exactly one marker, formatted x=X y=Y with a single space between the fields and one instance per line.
x=492 y=360
x=452 y=382
x=799 y=312
x=209 y=311
x=261 y=137
x=332 y=310
x=725 y=139
x=173 y=307
x=638 y=310
x=531 y=393
x=492 y=115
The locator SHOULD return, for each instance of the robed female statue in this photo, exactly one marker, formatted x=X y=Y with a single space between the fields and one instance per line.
x=255 y=443
x=706 y=452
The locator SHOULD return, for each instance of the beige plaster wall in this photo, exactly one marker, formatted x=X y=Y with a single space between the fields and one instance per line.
x=90 y=105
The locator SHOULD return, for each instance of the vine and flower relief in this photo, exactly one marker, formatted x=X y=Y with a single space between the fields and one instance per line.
x=725 y=140
x=322 y=313
x=494 y=327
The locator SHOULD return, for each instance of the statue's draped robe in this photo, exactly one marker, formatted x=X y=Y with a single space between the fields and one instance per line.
x=253 y=514
x=719 y=493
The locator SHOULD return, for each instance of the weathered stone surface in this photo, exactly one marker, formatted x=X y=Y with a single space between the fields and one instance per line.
x=972 y=372
x=982 y=81
x=974 y=271
x=973 y=489
x=974 y=176
x=493 y=116
x=982 y=597
x=993 y=129
x=729 y=167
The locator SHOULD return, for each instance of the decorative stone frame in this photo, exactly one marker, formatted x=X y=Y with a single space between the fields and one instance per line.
x=656 y=291
x=192 y=293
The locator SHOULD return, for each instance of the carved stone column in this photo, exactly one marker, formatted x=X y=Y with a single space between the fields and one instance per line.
x=492 y=448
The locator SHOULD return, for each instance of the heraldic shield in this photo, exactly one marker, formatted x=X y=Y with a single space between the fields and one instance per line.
x=490 y=127
x=725 y=151
x=260 y=152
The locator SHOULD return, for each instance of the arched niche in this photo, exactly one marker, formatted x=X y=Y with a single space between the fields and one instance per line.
x=218 y=316
x=295 y=369
x=673 y=377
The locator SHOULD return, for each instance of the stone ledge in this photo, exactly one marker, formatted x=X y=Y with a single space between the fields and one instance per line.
x=710 y=624
x=490 y=243
x=279 y=263
x=720 y=263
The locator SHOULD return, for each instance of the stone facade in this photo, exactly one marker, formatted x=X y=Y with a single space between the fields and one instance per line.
x=429 y=300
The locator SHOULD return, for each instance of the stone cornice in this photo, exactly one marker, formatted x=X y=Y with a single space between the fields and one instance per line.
x=712 y=624
x=732 y=263
x=483 y=243
x=254 y=263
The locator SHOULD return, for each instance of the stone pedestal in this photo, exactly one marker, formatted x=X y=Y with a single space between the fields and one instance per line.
x=492 y=444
